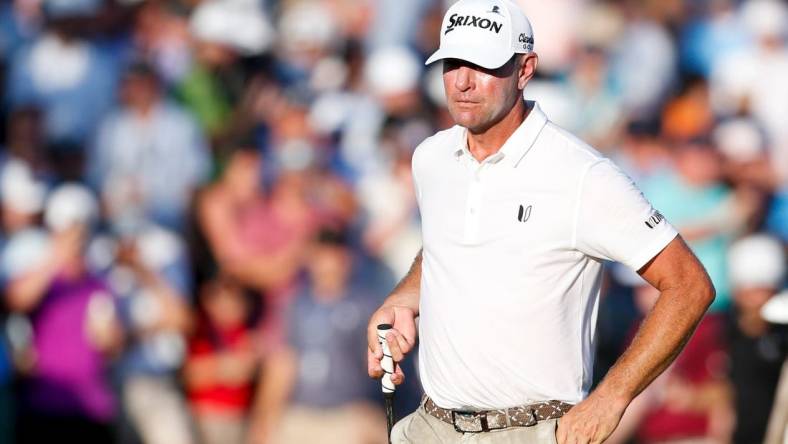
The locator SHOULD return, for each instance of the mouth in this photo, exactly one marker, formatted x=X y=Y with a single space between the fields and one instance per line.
x=465 y=102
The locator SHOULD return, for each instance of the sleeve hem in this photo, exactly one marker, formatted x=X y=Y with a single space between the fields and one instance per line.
x=653 y=248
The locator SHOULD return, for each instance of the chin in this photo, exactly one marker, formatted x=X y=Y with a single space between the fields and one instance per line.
x=466 y=119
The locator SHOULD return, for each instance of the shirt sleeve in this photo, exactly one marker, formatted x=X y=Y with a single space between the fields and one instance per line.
x=615 y=222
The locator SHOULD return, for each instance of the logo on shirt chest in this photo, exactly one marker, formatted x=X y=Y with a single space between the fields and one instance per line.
x=524 y=213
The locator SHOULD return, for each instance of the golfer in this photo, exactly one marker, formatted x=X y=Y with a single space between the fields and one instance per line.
x=518 y=217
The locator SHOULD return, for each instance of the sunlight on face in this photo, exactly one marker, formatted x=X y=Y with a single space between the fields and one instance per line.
x=477 y=97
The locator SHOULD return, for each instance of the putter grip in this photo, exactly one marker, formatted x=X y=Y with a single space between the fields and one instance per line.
x=387 y=362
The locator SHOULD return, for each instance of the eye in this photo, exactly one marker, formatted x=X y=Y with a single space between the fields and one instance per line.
x=450 y=64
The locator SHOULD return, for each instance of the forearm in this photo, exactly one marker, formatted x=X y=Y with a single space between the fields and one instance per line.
x=25 y=292
x=273 y=392
x=661 y=337
x=175 y=311
x=199 y=372
x=408 y=290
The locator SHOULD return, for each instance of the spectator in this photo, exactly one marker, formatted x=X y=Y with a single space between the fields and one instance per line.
x=223 y=360
x=747 y=167
x=643 y=65
x=694 y=198
x=392 y=232
x=715 y=32
x=260 y=239
x=749 y=81
x=218 y=87
x=643 y=153
x=757 y=268
x=60 y=72
x=150 y=276
x=149 y=155
x=21 y=196
x=244 y=231
x=689 y=115
x=67 y=392
x=25 y=140
x=691 y=400
x=327 y=392
x=161 y=37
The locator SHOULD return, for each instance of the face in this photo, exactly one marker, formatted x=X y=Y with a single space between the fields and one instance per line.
x=478 y=98
x=328 y=263
x=699 y=164
x=225 y=305
x=139 y=91
x=243 y=174
x=751 y=300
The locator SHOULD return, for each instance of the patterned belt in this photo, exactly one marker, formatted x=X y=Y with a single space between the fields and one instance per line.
x=484 y=421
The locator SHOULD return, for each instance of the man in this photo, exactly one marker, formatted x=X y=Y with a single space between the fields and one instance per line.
x=517 y=218
x=149 y=154
x=327 y=391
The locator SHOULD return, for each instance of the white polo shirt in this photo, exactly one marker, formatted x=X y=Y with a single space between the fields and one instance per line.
x=512 y=262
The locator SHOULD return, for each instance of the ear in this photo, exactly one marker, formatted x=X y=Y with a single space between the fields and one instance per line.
x=527 y=69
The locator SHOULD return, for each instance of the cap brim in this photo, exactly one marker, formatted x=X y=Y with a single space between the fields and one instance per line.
x=478 y=56
x=775 y=311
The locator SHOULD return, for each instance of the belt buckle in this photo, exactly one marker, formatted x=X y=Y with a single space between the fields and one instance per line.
x=470 y=418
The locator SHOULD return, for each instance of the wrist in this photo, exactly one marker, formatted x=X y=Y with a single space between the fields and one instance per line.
x=618 y=398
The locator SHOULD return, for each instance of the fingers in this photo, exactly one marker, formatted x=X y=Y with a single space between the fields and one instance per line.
x=373 y=365
x=398 y=377
x=585 y=428
x=560 y=434
x=398 y=345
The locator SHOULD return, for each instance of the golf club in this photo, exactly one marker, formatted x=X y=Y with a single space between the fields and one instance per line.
x=387 y=363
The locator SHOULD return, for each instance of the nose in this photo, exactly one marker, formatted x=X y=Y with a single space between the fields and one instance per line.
x=464 y=79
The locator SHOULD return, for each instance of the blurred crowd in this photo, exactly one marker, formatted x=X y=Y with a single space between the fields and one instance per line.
x=202 y=201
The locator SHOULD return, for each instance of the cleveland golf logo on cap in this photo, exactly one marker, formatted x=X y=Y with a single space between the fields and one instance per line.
x=526 y=40
x=457 y=20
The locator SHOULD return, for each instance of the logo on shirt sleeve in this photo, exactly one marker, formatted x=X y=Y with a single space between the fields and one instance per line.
x=655 y=219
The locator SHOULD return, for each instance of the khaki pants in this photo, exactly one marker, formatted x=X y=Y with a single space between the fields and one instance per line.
x=221 y=429
x=422 y=428
x=157 y=410
x=359 y=423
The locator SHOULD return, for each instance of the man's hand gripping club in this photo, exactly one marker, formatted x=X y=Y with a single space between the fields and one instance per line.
x=400 y=311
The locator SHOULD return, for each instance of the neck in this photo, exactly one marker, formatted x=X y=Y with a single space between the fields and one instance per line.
x=489 y=141
x=143 y=109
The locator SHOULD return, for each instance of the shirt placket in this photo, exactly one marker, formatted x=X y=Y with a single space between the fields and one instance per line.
x=474 y=202
x=472 y=208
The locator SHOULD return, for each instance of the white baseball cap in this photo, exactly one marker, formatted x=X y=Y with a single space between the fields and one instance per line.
x=19 y=189
x=765 y=18
x=69 y=204
x=240 y=25
x=757 y=261
x=484 y=32
x=392 y=70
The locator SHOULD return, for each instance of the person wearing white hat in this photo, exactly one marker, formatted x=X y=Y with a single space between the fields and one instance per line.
x=517 y=218
x=757 y=269
x=73 y=321
x=21 y=196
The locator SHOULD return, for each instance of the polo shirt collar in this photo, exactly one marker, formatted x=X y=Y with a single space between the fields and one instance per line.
x=517 y=145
